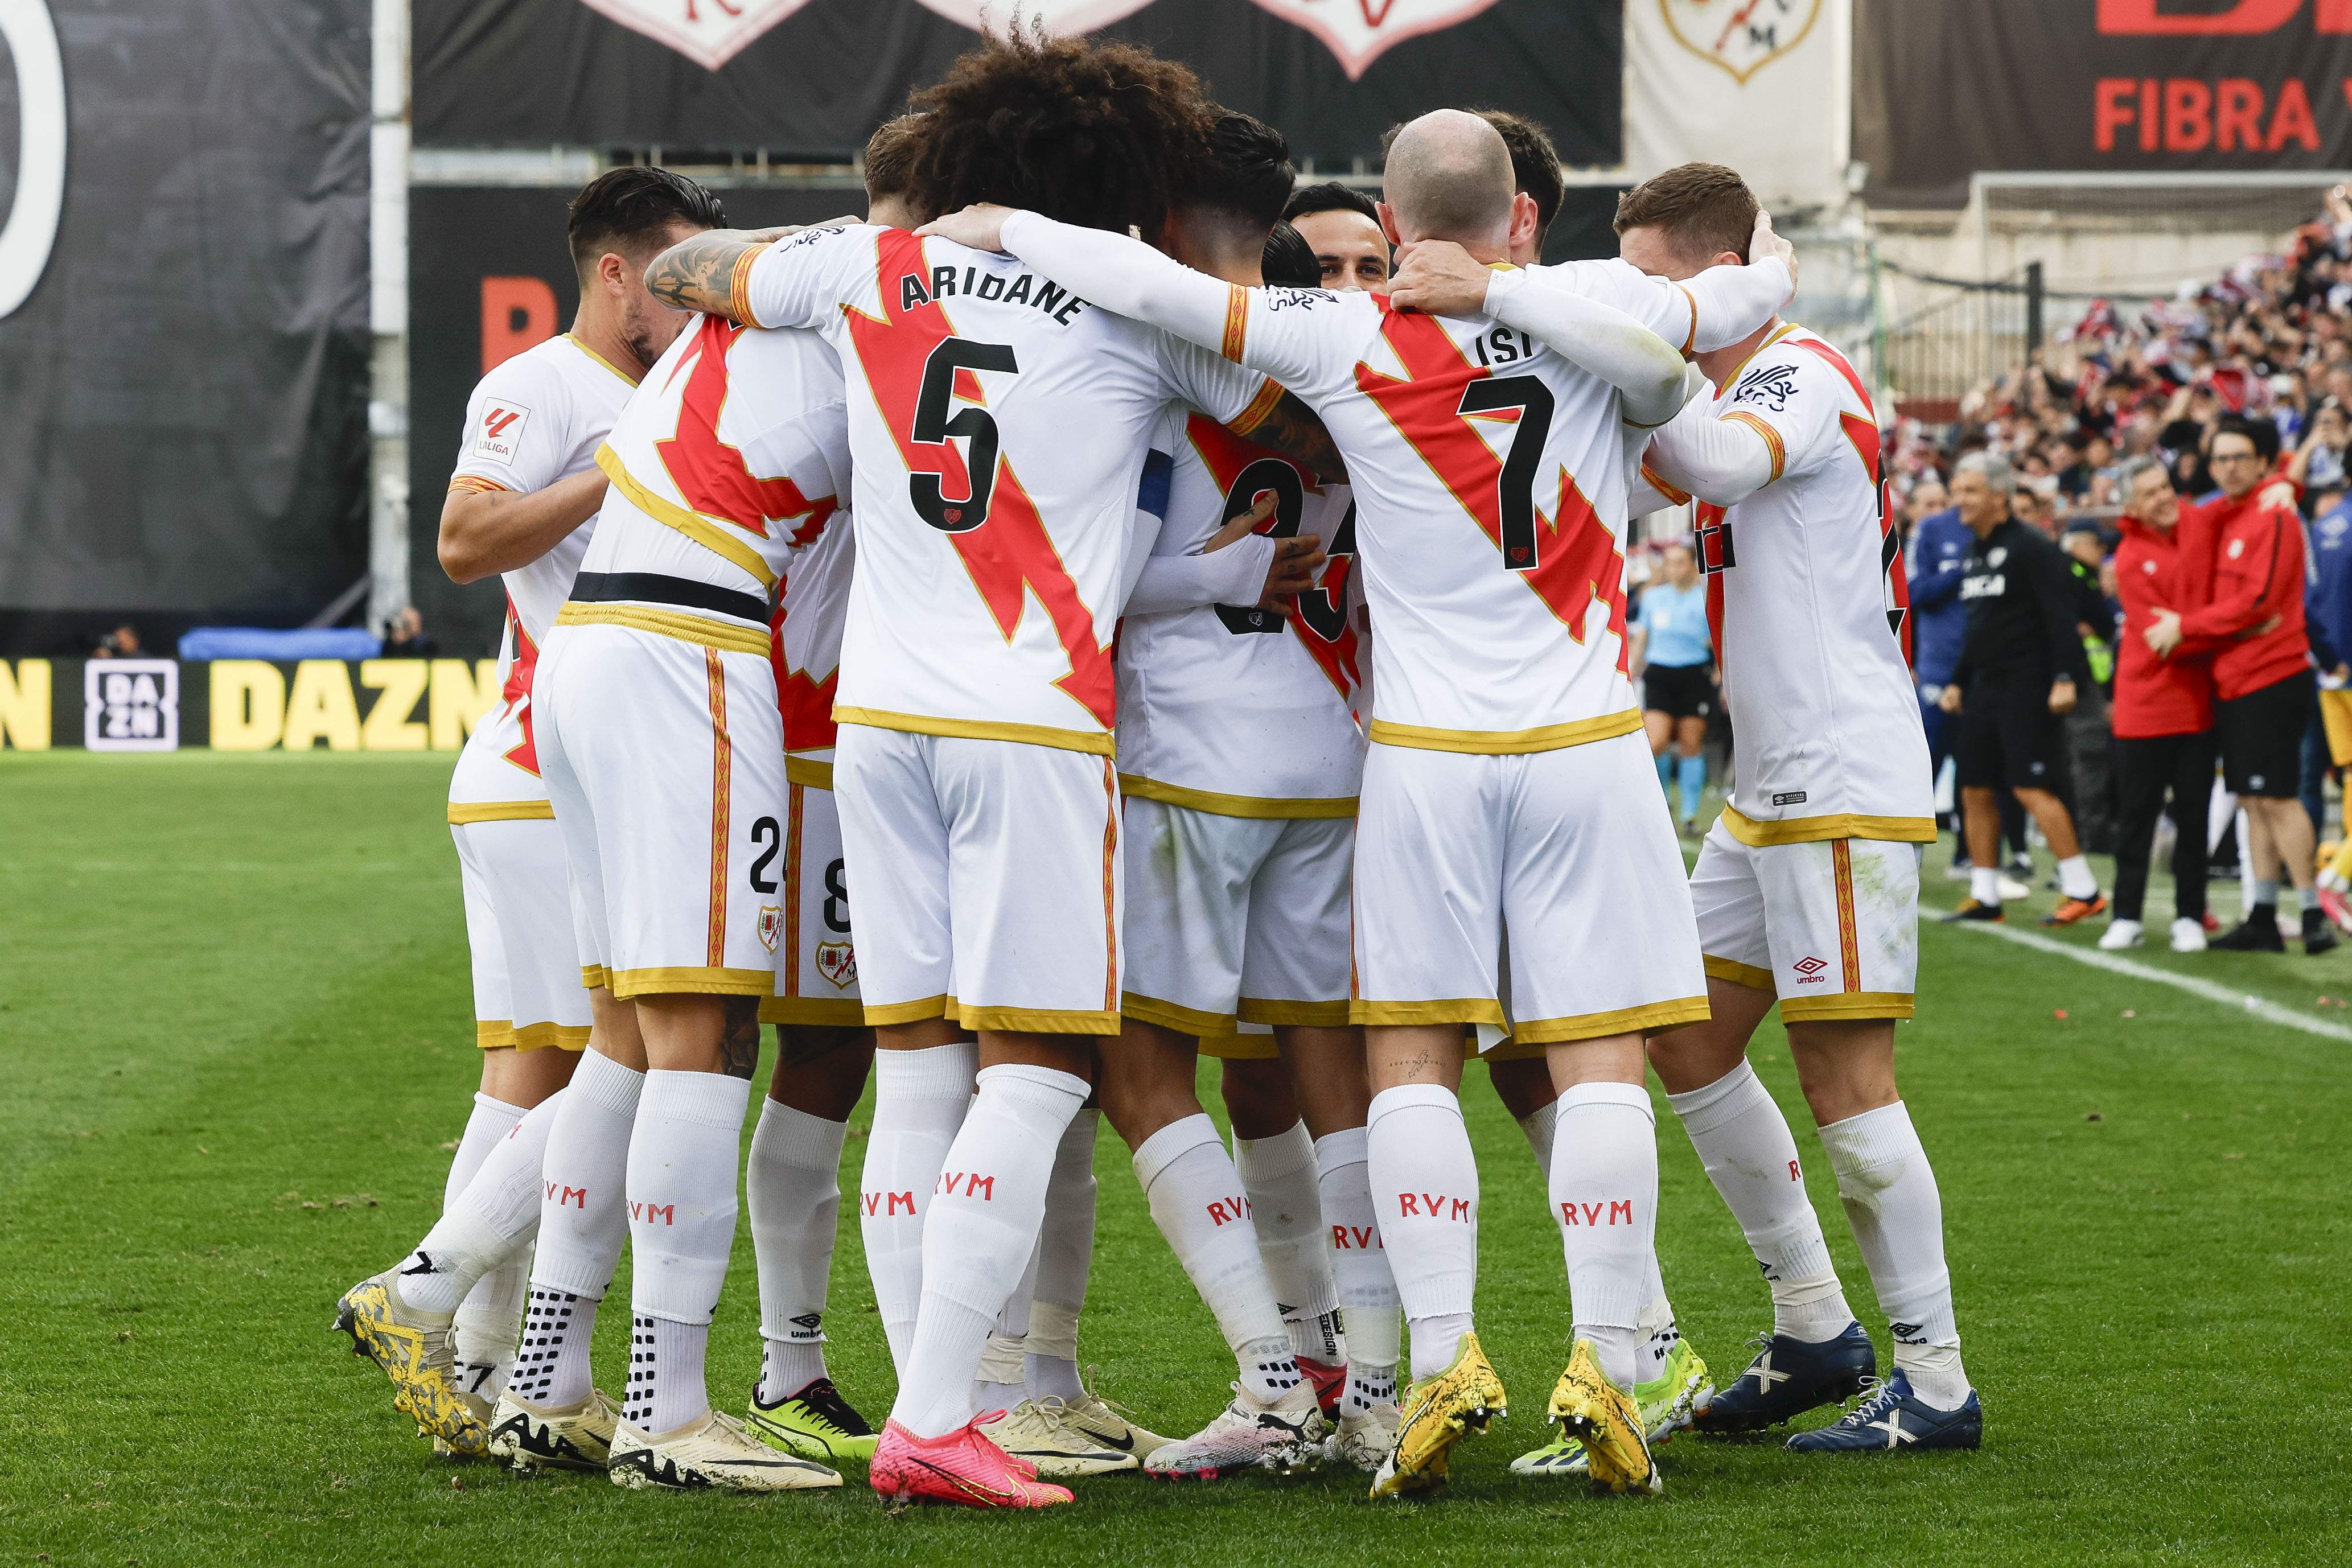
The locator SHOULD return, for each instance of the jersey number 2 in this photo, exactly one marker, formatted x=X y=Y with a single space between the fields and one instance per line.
x=975 y=424
x=1515 y=496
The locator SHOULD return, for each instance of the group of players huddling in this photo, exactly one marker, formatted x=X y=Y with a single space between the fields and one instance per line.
x=1217 y=662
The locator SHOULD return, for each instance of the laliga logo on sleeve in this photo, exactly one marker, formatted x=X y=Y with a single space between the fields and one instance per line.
x=1742 y=36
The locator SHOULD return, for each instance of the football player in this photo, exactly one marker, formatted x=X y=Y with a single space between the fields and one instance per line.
x=1806 y=888
x=1500 y=771
x=522 y=504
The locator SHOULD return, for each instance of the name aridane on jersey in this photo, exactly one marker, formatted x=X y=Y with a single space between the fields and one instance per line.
x=1806 y=593
x=998 y=428
x=535 y=419
x=1234 y=708
x=730 y=458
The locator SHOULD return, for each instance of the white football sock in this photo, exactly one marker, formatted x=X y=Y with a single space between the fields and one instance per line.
x=2075 y=878
x=1659 y=1334
x=504 y=1193
x=552 y=1368
x=584 y=1212
x=991 y=1201
x=1197 y=1201
x=1000 y=1380
x=1605 y=1198
x=1278 y=1179
x=490 y=1121
x=682 y=1208
x=665 y=1386
x=1359 y=1268
x=485 y=1224
x=1425 y=1183
x=1536 y=1125
x=431 y=1288
x=791 y=1183
x=1745 y=1144
x=1066 y=1254
x=919 y=1100
x=1897 y=1216
x=1984 y=884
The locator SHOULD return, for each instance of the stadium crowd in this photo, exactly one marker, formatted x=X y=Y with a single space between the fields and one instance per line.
x=2237 y=392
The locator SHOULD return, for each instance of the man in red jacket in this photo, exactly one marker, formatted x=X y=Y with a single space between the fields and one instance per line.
x=2245 y=556
x=2163 y=715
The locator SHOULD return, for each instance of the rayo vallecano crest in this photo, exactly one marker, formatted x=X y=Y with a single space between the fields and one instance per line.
x=708 y=32
x=1360 y=31
x=1743 y=36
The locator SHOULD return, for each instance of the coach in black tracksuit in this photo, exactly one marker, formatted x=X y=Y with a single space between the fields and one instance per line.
x=2022 y=666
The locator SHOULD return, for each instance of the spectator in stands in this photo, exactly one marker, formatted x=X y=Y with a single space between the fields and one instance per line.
x=2318 y=462
x=2163 y=718
x=1343 y=228
x=122 y=642
x=404 y=638
x=2245 y=591
x=2020 y=672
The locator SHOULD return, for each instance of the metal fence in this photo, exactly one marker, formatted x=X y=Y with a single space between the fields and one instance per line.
x=1930 y=358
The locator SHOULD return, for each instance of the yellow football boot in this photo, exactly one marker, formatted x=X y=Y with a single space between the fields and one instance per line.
x=1585 y=1405
x=413 y=1349
x=1435 y=1414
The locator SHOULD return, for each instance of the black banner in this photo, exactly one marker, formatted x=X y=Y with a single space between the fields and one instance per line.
x=814 y=78
x=186 y=386
x=1943 y=90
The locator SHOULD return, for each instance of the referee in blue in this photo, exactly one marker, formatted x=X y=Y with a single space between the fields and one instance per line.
x=1674 y=652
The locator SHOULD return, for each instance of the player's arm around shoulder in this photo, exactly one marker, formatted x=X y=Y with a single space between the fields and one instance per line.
x=711 y=272
x=505 y=507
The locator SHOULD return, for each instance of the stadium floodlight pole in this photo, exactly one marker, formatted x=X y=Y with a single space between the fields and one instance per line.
x=388 y=315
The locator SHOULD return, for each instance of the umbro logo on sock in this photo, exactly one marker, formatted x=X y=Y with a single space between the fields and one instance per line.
x=1908 y=1334
x=810 y=1324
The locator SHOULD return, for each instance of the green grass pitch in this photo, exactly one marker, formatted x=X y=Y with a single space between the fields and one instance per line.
x=236 y=1035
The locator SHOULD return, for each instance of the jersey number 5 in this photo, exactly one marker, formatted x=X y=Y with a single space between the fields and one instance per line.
x=975 y=424
x=1515 y=493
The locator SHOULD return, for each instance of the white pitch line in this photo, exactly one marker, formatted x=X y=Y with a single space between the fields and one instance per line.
x=2236 y=1001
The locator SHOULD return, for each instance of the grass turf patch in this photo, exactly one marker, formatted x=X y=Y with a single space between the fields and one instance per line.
x=234 y=1014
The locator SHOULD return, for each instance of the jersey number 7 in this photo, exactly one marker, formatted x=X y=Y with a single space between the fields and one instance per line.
x=934 y=426
x=1514 y=494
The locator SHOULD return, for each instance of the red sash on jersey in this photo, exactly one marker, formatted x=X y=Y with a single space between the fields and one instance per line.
x=1863 y=431
x=1319 y=618
x=1576 y=556
x=711 y=475
x=516 y=693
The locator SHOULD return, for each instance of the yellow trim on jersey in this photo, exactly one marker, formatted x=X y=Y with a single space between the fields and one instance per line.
x=474 y=482
x=1618 y=1020
x=826 y=1012
x=1772 y=442
x=1758 y=835
x=536 y=1036
x=1262 y=807
x=883 y=1015
x=1236 y=322
x=694 y=979
x=1731 y=380
x=738 y=287
x=1095 y=742
x=1507 y=742
x=464 y=812
x=808 y=771
x=573 y=338
x=1664 y=486
x=722 y=635
x=1733 y=972
x=595 y=977
x=1039 y=1021
x=1173 y=1014
x=1458 y=1009
x=1690 y=338
x=1252 y=416
x=1846 y=1005
x=1279 y=1012
x=708 y=532
x=1242 y=1048
x=494 y=1034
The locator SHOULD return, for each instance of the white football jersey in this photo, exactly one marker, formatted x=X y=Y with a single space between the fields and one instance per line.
x=1232 y=708
x=806 y=648
x=534 y=419
x=997 y=428
x=1489 y=476
x=731 y=457
x=1805 y=591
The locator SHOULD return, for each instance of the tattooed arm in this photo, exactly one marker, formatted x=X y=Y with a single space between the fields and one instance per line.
x=699 y=273
x=1292 y=429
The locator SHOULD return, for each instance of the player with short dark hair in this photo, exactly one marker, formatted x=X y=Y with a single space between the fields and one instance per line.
x=1342 y=227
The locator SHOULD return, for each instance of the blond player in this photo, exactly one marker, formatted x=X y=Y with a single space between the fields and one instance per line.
x=522 y=504
x=1807 y=889
x=998 y=424
x=1504 y=783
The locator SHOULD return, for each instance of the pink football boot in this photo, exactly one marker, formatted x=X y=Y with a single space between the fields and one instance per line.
x=963 y=1466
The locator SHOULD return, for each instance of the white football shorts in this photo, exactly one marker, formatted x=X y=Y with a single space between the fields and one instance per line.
x=1831 y=928
x=817 y=959
x=527 y=990
x=989 y=879
x=664 y=754
x=1571 y=851
x=1235 y=918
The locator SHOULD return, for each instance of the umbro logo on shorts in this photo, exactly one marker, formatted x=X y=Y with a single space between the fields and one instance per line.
x=1808 y=970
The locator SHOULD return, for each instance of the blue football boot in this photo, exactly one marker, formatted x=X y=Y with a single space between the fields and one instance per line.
x=1891 y=1417
x=1789 y=1377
